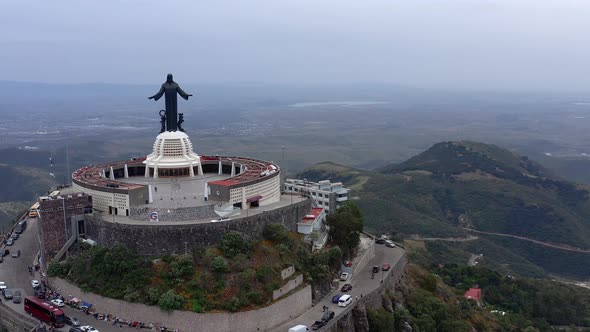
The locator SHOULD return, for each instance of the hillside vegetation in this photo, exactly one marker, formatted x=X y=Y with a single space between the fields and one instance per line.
x=458 y=185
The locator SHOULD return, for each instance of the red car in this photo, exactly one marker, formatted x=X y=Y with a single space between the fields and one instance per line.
x=346 y=288
x=386 y=267
x=348 y=263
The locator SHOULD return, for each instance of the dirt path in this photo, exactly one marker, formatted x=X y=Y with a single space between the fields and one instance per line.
x=556 y=246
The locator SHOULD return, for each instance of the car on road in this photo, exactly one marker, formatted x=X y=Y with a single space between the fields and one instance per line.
x=386 y=267
x=317 y=325
x=2 y=285
x=335 y=298
x=346 y=288
x=35 y=283
x=376 y=269
x=1 y=259
x=16 y=254
x=9 y=242
x=14 y=236
x=389 y=243
x=17 y=297
x=344 y=276
x=348 y=263
x=88 y=328
x=57 y=302
x=345 y=300
x=6 y=252
x=380 y=241
x=72 y=321
x=39 y=294
x=7 y=292
x=75 y=329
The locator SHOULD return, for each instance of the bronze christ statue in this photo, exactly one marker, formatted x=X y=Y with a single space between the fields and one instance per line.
x=169 y=90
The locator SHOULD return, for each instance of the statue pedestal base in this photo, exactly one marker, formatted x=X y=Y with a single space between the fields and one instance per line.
x=172 y=156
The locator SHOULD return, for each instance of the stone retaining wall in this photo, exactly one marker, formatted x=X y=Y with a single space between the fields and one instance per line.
x=153 y=239
x=286 y=288
x=174 y=214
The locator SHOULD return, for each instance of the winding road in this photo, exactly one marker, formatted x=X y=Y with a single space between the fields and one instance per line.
x=546 y=244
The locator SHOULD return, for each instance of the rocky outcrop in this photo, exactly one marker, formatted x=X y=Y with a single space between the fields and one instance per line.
x=360 y=319
x=319 y=290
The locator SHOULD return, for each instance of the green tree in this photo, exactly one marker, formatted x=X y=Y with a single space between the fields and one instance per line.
x=346 y=224
x=380 y=320
x=170 y=301
x=219 y=264
x=233 y=243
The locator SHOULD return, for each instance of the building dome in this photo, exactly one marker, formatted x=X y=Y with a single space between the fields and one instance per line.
x=173 y=155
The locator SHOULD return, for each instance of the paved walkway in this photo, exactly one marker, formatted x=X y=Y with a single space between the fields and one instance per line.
x=361 y=284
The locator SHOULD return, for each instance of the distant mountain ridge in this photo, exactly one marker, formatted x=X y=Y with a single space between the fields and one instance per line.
x=458 y=185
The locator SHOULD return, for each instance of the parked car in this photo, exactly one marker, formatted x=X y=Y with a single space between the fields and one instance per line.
x=328 y=315
x=9 y=242
x=389 y=243
x=76 y=329
x=72 y=321
x=386 y=267
x=6 y=252
x=344 y=276
x=7 y=292
x=39 y=294
x=348 y=263
x=375 y=269
x=1 y=259
x=380 y=241
x=299 y=328
x=317 y=325
x=335 y=298
x=17 y=297
x=2 y=285
x=88 y=328
x=345 y=300
x=346 y=288
x=14 y=236
x=16 y=254
x=35 y=283
x=57 y=302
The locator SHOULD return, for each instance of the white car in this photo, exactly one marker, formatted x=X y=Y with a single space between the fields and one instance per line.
x=57 y=302
x=35 y=283
x=344 y=276
x=2 y=285
x=389 y=243
x=88 y=328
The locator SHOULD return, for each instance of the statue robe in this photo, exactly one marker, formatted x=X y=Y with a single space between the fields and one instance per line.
x=169 y=90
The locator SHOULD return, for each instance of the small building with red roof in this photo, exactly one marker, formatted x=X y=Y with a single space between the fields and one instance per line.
x=474 y=294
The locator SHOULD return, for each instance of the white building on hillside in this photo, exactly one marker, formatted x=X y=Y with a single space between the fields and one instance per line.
x=313 y=225
x=325 y=194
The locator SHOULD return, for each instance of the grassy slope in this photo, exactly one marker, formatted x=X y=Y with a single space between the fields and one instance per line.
x=468 y=184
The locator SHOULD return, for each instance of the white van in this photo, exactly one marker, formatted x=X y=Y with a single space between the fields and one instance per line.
x=344 y=301
x=299 y=328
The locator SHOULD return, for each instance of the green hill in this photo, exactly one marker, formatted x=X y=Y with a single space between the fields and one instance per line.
x=457 y=185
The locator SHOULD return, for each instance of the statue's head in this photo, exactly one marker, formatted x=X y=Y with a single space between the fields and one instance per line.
x=169 y=79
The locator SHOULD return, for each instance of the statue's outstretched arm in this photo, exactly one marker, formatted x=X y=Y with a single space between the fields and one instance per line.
x=159 y=94
x=182 y=93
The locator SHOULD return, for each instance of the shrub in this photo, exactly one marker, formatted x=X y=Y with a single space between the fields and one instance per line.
x=233 y=243
x=276 y=233
x=380 y=320
x=219 y=264
x=264 y=274
x=232 y=305
x=154 y=295
x=170 y=301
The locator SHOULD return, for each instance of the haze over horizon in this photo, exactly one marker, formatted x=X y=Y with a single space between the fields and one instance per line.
x=508 y=45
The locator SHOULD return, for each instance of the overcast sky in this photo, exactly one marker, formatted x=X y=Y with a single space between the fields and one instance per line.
x=509 y=44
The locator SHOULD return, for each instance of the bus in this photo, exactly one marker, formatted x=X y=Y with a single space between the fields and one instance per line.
x=34 y=211
x=44 y=311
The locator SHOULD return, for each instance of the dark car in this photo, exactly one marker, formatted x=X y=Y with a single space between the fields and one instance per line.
x=328 y=315
x=75 y=329
x=40 y=295
x=380 y=241
x=346 y=288
x=17 y=297
x=71 y=321
x=375 y=269
x=7 y=293
x=318 y=324
x=6 y=252
x=335 y=298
